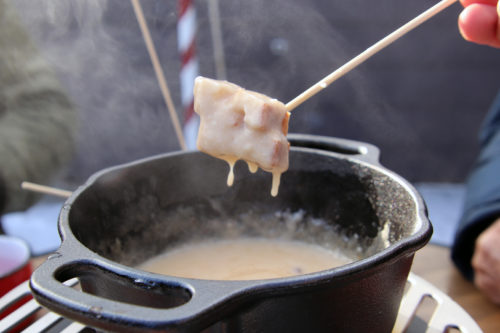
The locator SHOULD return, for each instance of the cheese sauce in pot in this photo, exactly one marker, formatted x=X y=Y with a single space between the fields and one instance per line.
x=244 y=259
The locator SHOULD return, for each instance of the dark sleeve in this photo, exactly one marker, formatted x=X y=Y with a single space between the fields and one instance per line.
x=37 y=120
x=482 y=201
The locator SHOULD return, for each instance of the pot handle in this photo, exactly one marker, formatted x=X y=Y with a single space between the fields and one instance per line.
x=360 y=150
x=199 y=309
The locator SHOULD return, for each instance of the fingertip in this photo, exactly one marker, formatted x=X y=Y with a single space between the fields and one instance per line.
x=462 y=26
x=478 y=23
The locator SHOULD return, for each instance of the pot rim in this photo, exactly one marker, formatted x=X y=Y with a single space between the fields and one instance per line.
x=199 y=308
x=362 y=153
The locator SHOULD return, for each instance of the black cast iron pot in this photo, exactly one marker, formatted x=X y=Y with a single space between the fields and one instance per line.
x=129 y=213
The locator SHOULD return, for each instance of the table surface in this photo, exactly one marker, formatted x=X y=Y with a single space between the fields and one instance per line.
x=433 y=264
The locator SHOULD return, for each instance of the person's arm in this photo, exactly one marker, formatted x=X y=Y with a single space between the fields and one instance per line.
x=37 y=120
x=486 y=262
x=481 y=210
x=479 y=22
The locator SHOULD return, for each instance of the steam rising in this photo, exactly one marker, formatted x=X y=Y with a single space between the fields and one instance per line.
x=278 y=47
x=97 y=49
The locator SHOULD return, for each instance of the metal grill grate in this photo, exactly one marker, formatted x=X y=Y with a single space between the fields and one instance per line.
x=445 y=315
x=48 y=322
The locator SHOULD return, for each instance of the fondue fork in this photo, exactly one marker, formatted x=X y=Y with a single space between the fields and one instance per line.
x=363 y=56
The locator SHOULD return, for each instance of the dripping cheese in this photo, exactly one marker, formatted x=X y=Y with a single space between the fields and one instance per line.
x=240 y=124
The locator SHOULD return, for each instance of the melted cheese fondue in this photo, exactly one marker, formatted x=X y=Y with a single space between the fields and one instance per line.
x=244 y=259
x=240 y=124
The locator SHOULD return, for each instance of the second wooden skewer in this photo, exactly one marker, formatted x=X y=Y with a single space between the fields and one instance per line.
x=160 y=76
x=45 y=189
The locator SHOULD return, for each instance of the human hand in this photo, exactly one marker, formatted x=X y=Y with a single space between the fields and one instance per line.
x=486 y=262
x=479 y=22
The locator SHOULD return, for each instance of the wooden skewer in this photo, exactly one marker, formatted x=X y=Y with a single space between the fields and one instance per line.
x=216 y=31
x=159 y=72
x=358 y=60
x=45 y=189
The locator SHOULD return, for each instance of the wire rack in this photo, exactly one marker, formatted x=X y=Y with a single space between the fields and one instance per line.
x=424 y=308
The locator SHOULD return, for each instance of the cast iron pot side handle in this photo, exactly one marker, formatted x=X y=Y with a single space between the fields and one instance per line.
x=360 y=150
x=116 y=316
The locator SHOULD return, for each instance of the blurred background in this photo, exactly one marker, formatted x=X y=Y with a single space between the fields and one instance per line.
x=421 y=100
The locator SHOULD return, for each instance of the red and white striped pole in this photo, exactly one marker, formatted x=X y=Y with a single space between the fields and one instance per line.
x=186 y=33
